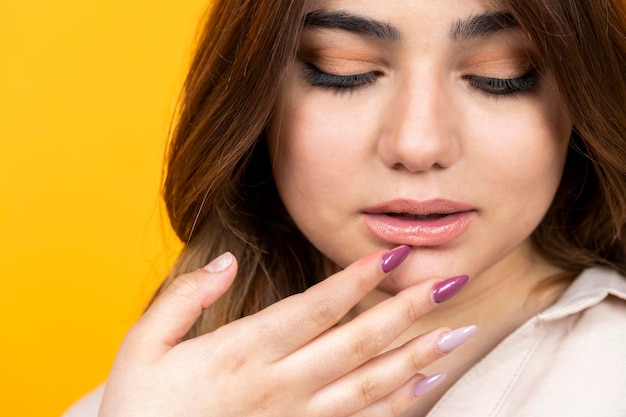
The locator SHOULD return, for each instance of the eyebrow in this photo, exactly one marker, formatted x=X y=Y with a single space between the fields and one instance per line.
x=352 y=23
x=481 y=25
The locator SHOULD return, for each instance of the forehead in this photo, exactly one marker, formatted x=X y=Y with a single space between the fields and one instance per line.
x=393 y=19
x=389 y=9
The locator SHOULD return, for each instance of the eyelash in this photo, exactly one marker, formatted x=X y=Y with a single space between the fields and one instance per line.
x=490 y=86
x=504 y=86
x=340 y=83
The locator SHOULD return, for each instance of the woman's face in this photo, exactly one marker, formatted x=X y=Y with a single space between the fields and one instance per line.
x=422 y=123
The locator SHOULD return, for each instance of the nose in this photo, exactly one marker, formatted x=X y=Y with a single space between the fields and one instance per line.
x=419 y=130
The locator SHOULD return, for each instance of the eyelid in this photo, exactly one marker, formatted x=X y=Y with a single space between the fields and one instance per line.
x=350 y=82
x=341 y=62
x=311 y=66
x=498 y=63
x=504 y=86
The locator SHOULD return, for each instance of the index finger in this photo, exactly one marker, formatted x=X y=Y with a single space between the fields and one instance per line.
x=306 y=315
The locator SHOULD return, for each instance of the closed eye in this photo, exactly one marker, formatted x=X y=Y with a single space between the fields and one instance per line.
x=340 y=83
x=504 y=86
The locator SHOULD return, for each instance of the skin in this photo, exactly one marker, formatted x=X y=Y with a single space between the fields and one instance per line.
x=420 y=131
x=240 y=369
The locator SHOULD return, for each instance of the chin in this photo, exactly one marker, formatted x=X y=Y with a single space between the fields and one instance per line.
x=433 y=263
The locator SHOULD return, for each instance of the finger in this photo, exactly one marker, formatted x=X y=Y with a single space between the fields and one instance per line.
x=352 y=344
x=401 y=399
x=379 y=377
x=305 y=316
x=173 y=313
x=393 y=404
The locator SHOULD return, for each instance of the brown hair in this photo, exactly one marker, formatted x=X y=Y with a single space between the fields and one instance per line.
x=219 y=190
x=583 y=44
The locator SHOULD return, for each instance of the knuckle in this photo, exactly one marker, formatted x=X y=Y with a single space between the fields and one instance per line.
x=369 y=389
x=322 y=313
x=186 y=286
x=417 y=360
x=395 y=409
x=398 y=404
x=413 y=311
x=360 y=349
x=366 y=344
x=268 y=400
x=392 y=405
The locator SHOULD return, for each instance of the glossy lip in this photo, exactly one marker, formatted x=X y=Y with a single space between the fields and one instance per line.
x=425 y=232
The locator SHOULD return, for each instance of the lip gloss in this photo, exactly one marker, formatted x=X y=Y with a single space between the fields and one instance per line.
x=419 y=223
x=419 y=232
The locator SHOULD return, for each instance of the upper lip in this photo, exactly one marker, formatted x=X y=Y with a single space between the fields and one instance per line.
x=420 y=208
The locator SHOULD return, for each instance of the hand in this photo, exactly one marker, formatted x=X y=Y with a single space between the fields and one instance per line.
x=287 y=360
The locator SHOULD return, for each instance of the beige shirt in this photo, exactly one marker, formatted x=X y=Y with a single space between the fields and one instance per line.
x=569 y=361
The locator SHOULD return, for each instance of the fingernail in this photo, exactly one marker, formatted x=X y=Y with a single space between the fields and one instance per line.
x=455 y=338
x=428 y=384
x=220 y=263
x=446 y=289
x=394 y=257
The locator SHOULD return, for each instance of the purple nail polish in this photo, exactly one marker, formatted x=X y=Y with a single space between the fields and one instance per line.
x=452 y=340
x=394 y=257
x=427 y=384
x=448 y=288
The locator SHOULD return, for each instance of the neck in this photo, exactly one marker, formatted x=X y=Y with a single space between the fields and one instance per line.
x=498 y=301
x=503 y=296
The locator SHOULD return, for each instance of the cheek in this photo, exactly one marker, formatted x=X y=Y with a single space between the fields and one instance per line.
x=316 y=146
x=525 y=156
x=301 y=156
x=321 y=150
x=306 y=144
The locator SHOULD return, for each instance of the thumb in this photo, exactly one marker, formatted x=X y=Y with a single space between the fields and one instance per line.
x=173 y=313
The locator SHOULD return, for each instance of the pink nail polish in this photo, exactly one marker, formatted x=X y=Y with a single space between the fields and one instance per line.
x=394 y=257
x=446 y=289
x=427 y=384
x=455 y=338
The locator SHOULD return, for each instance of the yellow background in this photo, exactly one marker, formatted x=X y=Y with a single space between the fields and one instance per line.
x=87 y=89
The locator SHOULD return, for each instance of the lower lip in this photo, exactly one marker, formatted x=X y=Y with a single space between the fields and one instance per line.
x=419 y=232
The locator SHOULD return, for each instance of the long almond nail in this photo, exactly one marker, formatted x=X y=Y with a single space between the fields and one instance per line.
x=427 y=384
x=452 y=340
x=394 y=257
x=446 y=289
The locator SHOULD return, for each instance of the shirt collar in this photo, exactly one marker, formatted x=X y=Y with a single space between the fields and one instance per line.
x=588 y=289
